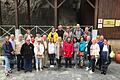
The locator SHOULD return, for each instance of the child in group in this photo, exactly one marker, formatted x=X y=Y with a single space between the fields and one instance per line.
x=51 y=51
x=76 y=51
x=39 y=50
x=68 y=52
x=59 y=51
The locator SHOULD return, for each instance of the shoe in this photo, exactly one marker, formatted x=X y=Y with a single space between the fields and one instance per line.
x=52 y=66
x=87 y=69
x=37 y=70
x=91 y=72
x=25 y=71
x=10 y=71
x=40 y=69
x=7 y=74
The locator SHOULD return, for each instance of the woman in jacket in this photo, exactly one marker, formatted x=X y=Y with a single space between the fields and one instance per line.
x=7 y=52
x=59 y=51
x=68 y=52
x=53 y=34
x=39 y=50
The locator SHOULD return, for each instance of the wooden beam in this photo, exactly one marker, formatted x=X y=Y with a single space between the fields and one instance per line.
x=21 y=4
x=16 y=15
x=0 y=14
x=61 y=3
x=90 y=4
x=50 y=4
x=28 y=12
x=55 y=14
x=96 y=13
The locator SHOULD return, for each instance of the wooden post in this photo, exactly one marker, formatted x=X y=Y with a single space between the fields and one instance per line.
x=0 y=18
x=16 y=15
x=28 y=12
x=55 y=6
x=55 y=14
x=96 y=13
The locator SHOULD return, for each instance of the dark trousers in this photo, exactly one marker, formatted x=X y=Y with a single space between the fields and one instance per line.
x=59 y=61
x=104 y=62
x=20 y=62
x=51 y=58
x=93 y=64
x=68 y=62
x=28 y=64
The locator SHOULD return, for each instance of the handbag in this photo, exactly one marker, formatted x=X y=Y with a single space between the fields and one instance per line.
x=39 y=55
x=112 y=54
x=81 y=54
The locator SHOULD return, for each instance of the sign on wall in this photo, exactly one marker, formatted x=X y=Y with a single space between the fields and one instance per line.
x=108 y=22
x=117 y=23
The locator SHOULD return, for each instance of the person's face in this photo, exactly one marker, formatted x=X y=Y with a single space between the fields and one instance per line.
x=38 y=42
x=69 y=40
x=44 y=37
x=20 y=38
x=75 y=40
x=52 y=40
x=101 y=38
x=12 y=37
x=86 y=29
x=78 y=26
x=68 y=29
x=28 y=31
x=105 y=42
x=94 y=41
x=53 y=29
x=81 y=39
x=28 y=41
x=88 y=38
x=7 y=39
x=37 y=35
x=60 y=27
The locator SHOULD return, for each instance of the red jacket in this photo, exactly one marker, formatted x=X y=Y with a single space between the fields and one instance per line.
x=68 y=49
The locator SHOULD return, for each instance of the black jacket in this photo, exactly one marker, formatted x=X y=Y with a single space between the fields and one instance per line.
x=27 y=51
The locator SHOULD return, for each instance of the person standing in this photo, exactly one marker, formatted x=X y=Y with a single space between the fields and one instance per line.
x=60 y=31
x=94 y=53
x=27 y=52
x=45 y=43
x=12 y=40
x=18 y=46
x=105 y=57
x=76 y=51
x=39 y=50
x=51 y=52
x=59 y=51
x=78 y=32
x=7 y=52
x=68 y=52
x=67 y=33
x=53 y=34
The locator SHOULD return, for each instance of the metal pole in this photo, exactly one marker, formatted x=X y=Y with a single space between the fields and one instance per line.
x=16 y=15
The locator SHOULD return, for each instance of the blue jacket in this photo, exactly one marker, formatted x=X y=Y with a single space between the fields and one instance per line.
x=7 y=49
x=82 y=46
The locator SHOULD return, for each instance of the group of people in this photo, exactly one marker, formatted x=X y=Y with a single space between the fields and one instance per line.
x=71 y=45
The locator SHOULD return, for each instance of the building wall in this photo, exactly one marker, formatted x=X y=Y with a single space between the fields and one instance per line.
x=109 y=9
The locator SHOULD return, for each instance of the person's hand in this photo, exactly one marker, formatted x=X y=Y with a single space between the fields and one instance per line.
x=64 y=53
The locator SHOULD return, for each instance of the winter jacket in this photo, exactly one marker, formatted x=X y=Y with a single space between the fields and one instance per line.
x=54 y=35
x=68 y=49
x=7 y=49
x=27 y=51
x=82 y=46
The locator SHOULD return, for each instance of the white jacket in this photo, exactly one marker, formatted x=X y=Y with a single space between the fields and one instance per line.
x=37 y=48
x=51 y=48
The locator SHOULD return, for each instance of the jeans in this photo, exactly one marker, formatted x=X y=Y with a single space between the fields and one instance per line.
x=28 y=64
x=38 y=63
x=75 y=58
x=7 y=64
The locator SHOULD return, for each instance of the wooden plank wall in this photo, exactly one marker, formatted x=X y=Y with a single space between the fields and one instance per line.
x=109 y=9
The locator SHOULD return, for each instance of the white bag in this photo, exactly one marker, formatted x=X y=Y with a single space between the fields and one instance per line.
x=112 y=54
